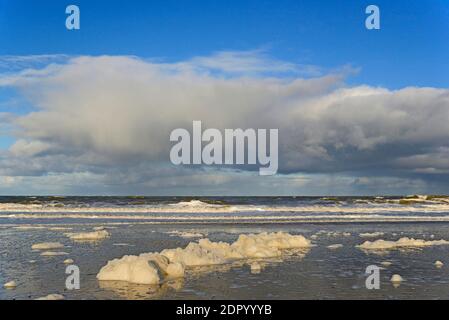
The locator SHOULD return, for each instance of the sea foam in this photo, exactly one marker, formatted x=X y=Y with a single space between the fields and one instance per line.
x=89 y=236
x=47 y=246
x=402 y=242
x=152 y=268
x=53 y=296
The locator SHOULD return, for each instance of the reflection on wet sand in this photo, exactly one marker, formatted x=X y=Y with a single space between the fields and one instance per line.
x=130 y=291
x=322 y=274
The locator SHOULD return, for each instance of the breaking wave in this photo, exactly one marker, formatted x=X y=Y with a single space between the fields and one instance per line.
x=235 y=210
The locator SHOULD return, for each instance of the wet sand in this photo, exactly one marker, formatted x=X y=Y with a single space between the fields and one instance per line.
x=318 y=273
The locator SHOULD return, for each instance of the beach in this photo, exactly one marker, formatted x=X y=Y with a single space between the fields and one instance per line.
x=90 y=232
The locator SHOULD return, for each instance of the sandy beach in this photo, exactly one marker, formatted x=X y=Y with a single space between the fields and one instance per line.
x=36 y=251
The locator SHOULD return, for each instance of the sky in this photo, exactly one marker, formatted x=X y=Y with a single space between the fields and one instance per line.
x=89 y=111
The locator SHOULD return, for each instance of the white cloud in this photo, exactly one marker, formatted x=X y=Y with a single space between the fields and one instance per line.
x=248 y=62
x=20 y=62
x=111 y=116
x=23 y=148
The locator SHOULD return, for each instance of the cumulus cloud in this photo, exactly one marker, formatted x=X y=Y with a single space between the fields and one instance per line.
x=111 y=116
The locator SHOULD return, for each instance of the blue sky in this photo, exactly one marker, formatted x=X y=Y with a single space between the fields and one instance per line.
x=410 y=50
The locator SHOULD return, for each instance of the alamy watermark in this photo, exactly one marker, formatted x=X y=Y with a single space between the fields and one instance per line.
x=72 y=282
x=373 y=279
x=237 y=147
x=72 y=22
x=372 y=22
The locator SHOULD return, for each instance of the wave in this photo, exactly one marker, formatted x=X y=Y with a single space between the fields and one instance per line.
x=223 y=203
x=196 y=204
x=201 y=207
x=224 y=219
x=408 y=209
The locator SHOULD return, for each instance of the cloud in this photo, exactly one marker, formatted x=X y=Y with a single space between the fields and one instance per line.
x=10 y=63
x=111 y=116
x=433 y=162
x=248 y=62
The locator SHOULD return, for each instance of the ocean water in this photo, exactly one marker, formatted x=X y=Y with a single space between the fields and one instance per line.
x=149 y=224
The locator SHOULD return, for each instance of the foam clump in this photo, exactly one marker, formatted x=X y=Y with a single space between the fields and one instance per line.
x=53 y=296
x=59 y=228
x=47 y=246
x=371 y=234
x=28 y=227
x=53 y=253
x=402 y=242
x=335 y=246
x=150 y=268
x=438 y=264
x=333 y=233
x=133 y=269
x=255 y=267
x=89 y=236
x=186 y=234
x=396 y=278
x=10 y=285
